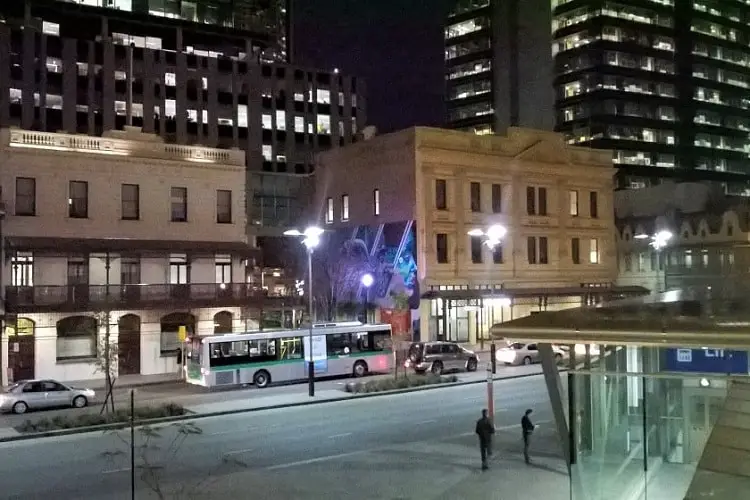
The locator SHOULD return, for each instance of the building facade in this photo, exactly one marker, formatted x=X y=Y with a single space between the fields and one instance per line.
x=498 y=65
x=150 y=235
x=663 y=84
x=401 y=205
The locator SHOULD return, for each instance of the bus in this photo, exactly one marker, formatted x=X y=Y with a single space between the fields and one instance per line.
x=263 y=357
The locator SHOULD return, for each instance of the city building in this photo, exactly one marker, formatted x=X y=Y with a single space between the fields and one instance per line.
x=189 y=75
x=127 y=227
x=498 y=65
x=400 y=206
x=663 y=84
x=708 y=248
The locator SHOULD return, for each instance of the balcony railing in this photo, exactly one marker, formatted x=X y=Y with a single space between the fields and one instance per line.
x=102 y=297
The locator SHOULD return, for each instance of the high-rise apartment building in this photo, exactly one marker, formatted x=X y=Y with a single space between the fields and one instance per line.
x=498 y=65
x=663 y=83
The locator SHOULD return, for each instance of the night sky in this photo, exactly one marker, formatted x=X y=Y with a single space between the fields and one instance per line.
x=396 y=45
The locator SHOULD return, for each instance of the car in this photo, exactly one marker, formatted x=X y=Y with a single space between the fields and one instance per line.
x=439 y=356
x=39 y=394
x=519 y=353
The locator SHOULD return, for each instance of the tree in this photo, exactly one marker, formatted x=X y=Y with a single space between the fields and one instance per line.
x=106 y=358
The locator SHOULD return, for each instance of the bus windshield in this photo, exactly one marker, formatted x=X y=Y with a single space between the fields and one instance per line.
x=194 y=351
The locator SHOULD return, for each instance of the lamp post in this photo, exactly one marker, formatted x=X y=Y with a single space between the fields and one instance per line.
x=659 y=240
x=311 y=239
x=367 y=281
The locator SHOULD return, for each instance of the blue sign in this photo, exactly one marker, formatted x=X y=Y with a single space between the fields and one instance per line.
x=706 y=361
x=321 y=366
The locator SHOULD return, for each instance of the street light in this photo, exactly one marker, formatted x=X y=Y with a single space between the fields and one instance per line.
x=311 y=239
x=659 y=240
x=367 y=281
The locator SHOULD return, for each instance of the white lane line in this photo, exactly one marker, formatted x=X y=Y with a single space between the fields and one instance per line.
x=115 y=471
x=340 y=435
x=316 y=460
x=238 y=452
x=221 y=433
x=427 y=421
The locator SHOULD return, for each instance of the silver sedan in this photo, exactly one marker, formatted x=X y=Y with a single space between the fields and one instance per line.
x=39 y=394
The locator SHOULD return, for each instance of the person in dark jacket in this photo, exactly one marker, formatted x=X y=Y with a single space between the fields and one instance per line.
x=485 y=430
x=527 y=428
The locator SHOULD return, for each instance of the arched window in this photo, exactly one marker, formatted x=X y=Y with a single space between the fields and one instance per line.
x=25 y=326
x=76 y=338
x=223 y=322
x=170 y=327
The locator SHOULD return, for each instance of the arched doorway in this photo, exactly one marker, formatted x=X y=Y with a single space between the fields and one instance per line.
x=21 y=349
x=223 y=322
x=129 y=345
x=170 y=326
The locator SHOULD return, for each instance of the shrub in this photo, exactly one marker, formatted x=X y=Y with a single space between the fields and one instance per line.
x=389 y=384
x=92 y=419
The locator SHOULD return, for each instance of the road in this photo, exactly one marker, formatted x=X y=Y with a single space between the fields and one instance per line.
x=414 y=445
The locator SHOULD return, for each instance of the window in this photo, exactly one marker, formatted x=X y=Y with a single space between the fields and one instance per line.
x=329 y=210
x=441 y=248
x=130 y=271
x=542 y=200
x=536 y=201
x=593 y=205
x=130 y=201
x=497 y=254
x=179 y=204
x=223 y=269
x=376 y=201
x=475 y=192
x=78 y=199
x=223 y=206
x=178 y=269
x=476 y=250
x=530 y=200
x=537 y=250
x=575 y=250
x=497 y=198
x=441 y=198
x=78 y=271
x=531 y=249
x=25 y=196
x=573 y=201
x=594 y=251
x=543 y=257
x=345 y=207
x=22 y=269
x=76 y=338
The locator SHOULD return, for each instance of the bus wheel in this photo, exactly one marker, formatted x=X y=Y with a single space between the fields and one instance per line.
x=360 y=369
x=262 y=379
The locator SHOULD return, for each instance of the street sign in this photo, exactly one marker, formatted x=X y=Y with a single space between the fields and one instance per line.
x=182 y=333
x=706 y=360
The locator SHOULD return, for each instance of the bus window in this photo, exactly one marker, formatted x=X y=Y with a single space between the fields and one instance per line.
x=339 y=344
x=262 y=350
x=379 y=341
x=291 y=348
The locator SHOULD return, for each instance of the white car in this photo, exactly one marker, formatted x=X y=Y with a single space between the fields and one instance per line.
x=519 y=353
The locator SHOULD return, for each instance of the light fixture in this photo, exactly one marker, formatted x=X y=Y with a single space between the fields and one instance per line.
x=641 y=236
x=367 y=280
x=704 y=382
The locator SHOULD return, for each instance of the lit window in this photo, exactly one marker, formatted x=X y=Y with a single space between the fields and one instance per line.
x=170 y=108
x=573 y=197
x=376 y=201
x=50 y=28
x=267 y=122
x=324 y=124
x=170 y=80
x=299 y=124
x=594 y=251
x=280 y=119
x=345 y=207
x=242 y=115
x=324 y=96
x=267 y=152
x=329 y=211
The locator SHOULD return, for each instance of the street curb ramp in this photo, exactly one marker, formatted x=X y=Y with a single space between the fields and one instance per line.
x=196 y=416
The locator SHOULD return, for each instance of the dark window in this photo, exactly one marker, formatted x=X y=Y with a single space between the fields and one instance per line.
x=179 y=204
x=476 y=197
x=131 y=201
x=531 y=249
x=441 y=248
x=530 y=201
x=543 y=257
x=130 y=271
x=575 y=250
x=497 y=254
x=594 y=204
x=223 y=206
x=542 y=203
x=78 y=271
x=497 y=198
x=25 y=196
x=476 y=249
x=78 y=199
x=441 y=198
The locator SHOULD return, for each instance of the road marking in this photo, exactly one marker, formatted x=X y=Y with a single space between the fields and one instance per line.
x=316 y=460
x=340 y=435
x=115 y=471
x=426 y=421
x=238 y=452
x=221 y=433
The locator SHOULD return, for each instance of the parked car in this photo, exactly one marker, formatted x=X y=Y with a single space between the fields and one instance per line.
x=519 y=353
x=438 y=357
x=40 y=394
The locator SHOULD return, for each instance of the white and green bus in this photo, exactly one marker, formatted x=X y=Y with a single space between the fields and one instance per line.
x=259 y=358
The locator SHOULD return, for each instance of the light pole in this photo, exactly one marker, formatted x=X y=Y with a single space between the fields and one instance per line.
x=311 y=239
x=367 y=281
x=659 y=240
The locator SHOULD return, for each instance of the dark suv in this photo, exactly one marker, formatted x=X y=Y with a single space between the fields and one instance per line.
x=438 y=357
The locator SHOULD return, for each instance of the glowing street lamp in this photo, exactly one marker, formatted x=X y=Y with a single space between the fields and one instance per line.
x=493 y=236
x=367 y=281
x=311 y=239
x=659 y=240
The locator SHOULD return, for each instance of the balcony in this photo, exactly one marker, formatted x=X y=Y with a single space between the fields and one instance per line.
x=71 y=298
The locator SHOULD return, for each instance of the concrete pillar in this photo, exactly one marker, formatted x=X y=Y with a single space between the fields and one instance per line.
x=4 y=358
x=554 y=389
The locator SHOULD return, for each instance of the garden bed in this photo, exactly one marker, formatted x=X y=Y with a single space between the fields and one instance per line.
x=93 y=419
x=391 y=384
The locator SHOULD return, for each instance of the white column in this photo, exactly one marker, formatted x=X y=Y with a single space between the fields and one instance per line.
x=4 y=358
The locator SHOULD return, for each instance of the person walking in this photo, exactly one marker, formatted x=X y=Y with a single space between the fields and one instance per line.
x=485 y=430
x=527 y=428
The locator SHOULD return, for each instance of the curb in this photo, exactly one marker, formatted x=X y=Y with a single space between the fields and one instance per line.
x=196 y=416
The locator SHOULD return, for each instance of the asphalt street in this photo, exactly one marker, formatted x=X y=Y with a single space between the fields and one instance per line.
x=406 y=431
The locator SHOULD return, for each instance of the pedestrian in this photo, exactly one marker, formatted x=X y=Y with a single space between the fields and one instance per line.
x=485 y=430
x=527 y=428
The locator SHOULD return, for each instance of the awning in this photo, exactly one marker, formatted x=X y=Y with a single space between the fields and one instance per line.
x=125 y=245
x=532 y=292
